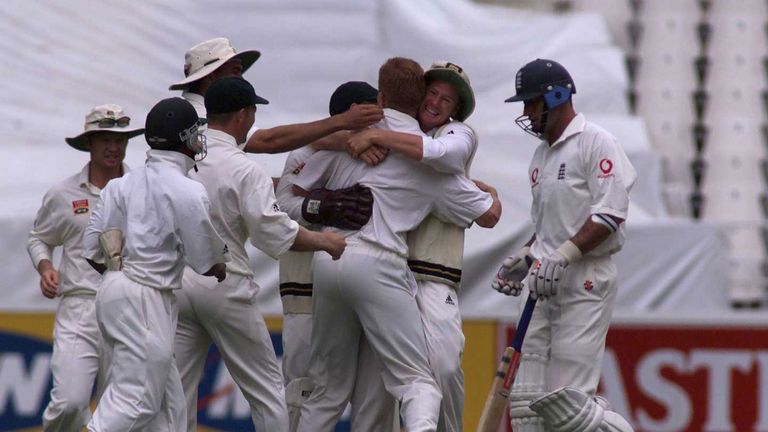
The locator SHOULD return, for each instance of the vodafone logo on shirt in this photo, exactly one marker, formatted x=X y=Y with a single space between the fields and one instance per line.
x=606 y=168
x=534 y=177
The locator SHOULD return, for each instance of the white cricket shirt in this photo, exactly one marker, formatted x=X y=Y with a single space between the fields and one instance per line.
x=404 y=191
x=243 y=202
x=583 y=173
x=451 y=151
x=197 y=101
x=164 y=219
x=61 y=221
x=289 y=202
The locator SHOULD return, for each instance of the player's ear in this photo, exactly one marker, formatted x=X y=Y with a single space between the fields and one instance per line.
x=456 y=110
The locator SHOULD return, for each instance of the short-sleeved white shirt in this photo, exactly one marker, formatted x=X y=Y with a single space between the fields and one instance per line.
x=584 y=172
x=404 y=191
x=61 y=221
x=243 y=203
x=164 y=217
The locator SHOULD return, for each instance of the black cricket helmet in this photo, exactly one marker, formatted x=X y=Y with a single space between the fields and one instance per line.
x=171 y=122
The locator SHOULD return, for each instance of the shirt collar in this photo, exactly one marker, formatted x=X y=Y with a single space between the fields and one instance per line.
x=181 y=161
x=84 y=182
x=214 y=135
x=398 y=120
x=575 y=127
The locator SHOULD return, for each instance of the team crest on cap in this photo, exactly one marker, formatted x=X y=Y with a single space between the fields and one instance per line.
x=80 y=206
x=519 y=80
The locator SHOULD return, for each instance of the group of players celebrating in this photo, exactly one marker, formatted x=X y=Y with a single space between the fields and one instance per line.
x=367 y=221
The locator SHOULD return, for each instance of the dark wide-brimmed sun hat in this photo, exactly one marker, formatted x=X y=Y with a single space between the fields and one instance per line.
x=454 y=75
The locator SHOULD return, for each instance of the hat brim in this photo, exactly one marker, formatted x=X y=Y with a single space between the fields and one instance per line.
x=464 y=90
x=261 y=101
x=81 y=143
x=248 y=58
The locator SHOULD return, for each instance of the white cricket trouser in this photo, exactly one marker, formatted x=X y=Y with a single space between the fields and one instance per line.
x=367 y=291
x=226 y=314
x=297 y=332
x=143 y=391
x=75 y=364
x=439 y=306
x=373 y=409
x=568 y=330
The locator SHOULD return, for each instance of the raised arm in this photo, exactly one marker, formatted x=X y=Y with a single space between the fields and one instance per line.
x=285 y=138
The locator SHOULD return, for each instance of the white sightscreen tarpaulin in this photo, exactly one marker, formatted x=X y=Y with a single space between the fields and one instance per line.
x=61 y=58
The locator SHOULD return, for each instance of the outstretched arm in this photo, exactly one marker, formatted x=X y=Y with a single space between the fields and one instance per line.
x=285 y=138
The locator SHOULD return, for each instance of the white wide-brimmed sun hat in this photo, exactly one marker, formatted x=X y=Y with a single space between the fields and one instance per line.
x=206 y=57
x=104 y=118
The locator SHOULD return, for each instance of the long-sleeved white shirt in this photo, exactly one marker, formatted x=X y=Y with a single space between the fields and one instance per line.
x=60 y=221
x=451 y=151
x=289 y=202
x=243 y=203
x=164 y=217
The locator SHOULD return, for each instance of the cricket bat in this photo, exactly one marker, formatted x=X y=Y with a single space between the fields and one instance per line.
x=496 y=402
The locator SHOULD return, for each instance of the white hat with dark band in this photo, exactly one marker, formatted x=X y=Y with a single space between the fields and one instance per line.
x=206 y=57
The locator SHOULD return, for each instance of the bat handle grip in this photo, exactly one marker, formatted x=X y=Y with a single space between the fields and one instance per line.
x=522 y=325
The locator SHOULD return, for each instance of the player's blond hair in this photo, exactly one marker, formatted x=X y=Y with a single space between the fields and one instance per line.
x=401 y=82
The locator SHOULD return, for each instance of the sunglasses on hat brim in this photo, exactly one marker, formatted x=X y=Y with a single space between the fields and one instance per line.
x=111 y=122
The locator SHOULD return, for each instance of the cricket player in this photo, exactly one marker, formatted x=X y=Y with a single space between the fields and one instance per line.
x=213 y=59
x=151 y=221
x=370 y=290
x=348 y=208
x=243 y=206
x=580 y=180
x=436 y=248
x=78 y=356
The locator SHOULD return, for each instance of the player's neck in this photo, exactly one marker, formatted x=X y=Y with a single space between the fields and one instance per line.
x=560 y=126
x=99 y=176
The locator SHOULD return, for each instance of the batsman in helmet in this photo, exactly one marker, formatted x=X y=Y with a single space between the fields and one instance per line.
x=580 y=180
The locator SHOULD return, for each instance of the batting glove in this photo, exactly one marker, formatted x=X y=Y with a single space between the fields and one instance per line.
x=548 y=273
x=514 y=269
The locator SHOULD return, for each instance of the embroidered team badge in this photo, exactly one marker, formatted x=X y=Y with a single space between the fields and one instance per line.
x=80 y=206
x=588 y=285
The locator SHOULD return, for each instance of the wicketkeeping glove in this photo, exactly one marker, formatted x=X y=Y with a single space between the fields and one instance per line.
x=514 y=269
x=548 y=273
x=349 y=208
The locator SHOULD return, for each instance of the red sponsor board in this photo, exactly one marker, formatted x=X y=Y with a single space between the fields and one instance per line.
x=680 y=377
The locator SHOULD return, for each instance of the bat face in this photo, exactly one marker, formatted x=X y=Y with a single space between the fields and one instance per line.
x=496 y=402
